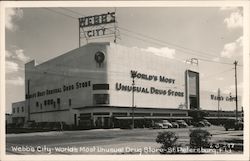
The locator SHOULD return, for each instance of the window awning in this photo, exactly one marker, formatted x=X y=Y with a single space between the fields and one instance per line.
x=152 y=117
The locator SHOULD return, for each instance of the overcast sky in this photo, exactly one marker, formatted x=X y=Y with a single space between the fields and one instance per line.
x=211 y=34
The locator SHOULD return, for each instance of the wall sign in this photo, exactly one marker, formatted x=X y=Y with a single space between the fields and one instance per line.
x=148 y=90
x=221 y=98
x=63 y=88
x=150 y=77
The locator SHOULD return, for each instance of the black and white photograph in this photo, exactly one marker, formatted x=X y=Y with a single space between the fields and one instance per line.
x=125 y=80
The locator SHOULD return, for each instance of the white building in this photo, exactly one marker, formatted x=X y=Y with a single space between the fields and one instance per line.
x=92 y=86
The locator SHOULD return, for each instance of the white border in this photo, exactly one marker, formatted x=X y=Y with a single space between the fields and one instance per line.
x=246 y=18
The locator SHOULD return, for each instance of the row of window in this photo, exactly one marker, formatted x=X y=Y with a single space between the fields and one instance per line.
x=98 y=99
x=17 y=110
x=51 y=102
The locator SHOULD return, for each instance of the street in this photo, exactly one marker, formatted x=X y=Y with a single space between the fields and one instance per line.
x=106 y=141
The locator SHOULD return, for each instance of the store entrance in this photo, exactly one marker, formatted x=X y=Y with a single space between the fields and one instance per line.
x=101 y=122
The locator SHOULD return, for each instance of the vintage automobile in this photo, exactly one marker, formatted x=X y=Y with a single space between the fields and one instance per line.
x=182 y=123
x=206 y=122
x=233 y=124
x=175 y=124
x=199 y=124
x=163 y=124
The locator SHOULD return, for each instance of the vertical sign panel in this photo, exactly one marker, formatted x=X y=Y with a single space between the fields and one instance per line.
x=192 y=90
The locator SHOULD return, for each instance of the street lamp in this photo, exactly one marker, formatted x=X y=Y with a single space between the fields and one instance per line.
x=236 y=94
x=218 y=103
x=133 y=101
x=28 y=119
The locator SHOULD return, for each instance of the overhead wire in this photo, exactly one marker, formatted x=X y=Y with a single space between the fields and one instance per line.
x=51 y=10
x=222 y=72
x=165 y=42
x=182 y=49
x=186 y=50
x=74 y=12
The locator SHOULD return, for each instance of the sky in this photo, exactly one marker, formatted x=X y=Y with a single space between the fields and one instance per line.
x=213 y=35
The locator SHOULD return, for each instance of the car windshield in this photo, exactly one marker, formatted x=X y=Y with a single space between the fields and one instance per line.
x=165 y=121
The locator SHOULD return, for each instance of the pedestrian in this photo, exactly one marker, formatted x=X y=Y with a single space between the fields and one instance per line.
x=61 y=126
x=152 y=123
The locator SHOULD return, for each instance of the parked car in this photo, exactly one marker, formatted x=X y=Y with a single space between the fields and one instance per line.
x=201 y=124
x=206 y=122
x=163 y=124
x=175 y=124
x=182 y=123
x=233 y=124
x=167 y=124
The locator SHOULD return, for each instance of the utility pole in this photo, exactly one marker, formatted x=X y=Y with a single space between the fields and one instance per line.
x=236 y=94
x=28 y=101
x=79 y=30
x=115 y=28
x=218 y=103
x=133 y=102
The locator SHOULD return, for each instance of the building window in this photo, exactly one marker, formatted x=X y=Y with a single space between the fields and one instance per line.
x=100 y=86
x=192 y=89
x=41 y=106
x=45 y=102
x=101 y=99
x=58 y=100
x=140 y=114
x=119 y=114
x=85 y=116
x=17 y=109
x=14 y=110
x=69 y=102
x=179 y=114
x=161 y=114
x=37 y=104
x=54 y=104
x=50 y=102
x=22 y=109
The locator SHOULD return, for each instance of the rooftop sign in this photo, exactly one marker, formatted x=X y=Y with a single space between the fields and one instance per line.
x=96 y=26
x=97 y=19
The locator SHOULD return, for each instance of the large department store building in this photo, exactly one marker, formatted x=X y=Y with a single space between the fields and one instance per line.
x=92 y=86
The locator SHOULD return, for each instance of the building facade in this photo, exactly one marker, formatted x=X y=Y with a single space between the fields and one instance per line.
x=19 y=112
x=8 y=119
x=92 y=86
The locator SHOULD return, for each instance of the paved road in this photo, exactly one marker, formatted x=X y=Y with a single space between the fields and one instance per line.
x=102 y=141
